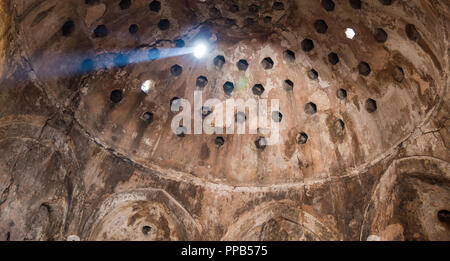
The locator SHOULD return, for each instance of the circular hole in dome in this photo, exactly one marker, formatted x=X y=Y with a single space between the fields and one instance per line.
x=240 y=117
x=230 y=22
x=340 y=126
x=364 y=68
x=242 y=65
x=175 y=103
x=179 y=43
x=333 y=58
x=267 y=63
x=87 y=65
x=154 y=54
x=219 y=61
x=380 y=35
x=206 y=111
x=176 y=70
x=249 y=21
x=100 y=31
x=163 y=24
x=133 y=29
x=412 y=32
x=124 y=4
x=68 y=28
x=277 y=116
x=321 y=26
x=444 y=216
x=301 y=138
x=355 y=4
x=341 y=94
x=313 y=74
x=307 y=45
x=234 y=8
x=116 y=96
x=398 y=74
x=155 y=6
x=288 y=85
x=310 y=108
x=146 y=230
x=371 y=105
x=219 y=141
x=146 y=86
x=278 y=6
x=258 y=89
x=91 y=2
x=350 y=33
x=214 y=12
x=148 y=117
x=181 y=131
x=261 y=143
x=387 y=2
x=267 y=19
x=289 y=56
x=328 y=5
x=201 y=81
x=253 y=8
x=121 y=60
x=228 y=88
x=200 y=50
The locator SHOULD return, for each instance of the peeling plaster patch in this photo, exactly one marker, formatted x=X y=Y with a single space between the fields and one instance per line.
x=94 y=13
x=242 y=84
x=408 y=49
x=269 y=86
x=279 y=162
x=268 y=51
x=324 y=84
x=320 y=98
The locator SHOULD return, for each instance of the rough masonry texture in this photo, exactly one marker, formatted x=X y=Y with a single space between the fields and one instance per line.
x=364 y=122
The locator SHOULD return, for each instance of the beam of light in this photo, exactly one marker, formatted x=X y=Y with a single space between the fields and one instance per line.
x=77 y=63
x=159 y=53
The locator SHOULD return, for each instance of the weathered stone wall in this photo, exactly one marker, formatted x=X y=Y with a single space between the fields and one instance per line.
x=78 y=158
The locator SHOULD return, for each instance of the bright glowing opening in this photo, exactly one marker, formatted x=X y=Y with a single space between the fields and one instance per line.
x=350 y=33
x=146 y=86
x=200 y=50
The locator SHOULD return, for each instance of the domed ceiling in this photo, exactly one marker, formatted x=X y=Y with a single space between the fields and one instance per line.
x=86 y=122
